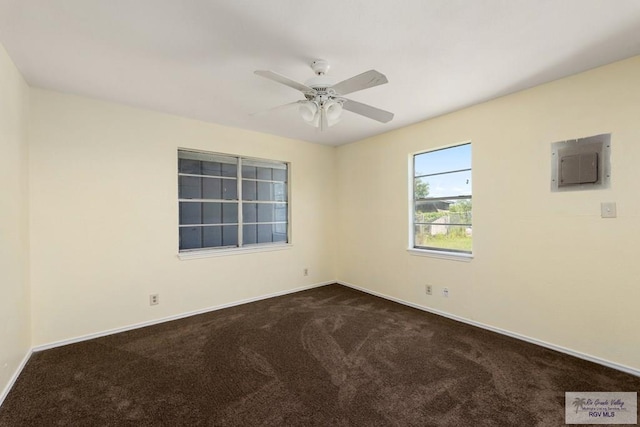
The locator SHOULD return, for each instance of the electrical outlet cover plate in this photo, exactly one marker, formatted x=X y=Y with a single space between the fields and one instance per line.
x=608 y=210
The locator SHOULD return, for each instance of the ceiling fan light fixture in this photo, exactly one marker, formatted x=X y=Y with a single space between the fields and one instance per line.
x=309 y=112
x=333 y=110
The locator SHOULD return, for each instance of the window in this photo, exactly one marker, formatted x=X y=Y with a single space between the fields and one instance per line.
x=442 y=200
x=230 y=202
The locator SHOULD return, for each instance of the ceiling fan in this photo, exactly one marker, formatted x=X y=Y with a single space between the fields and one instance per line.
x=324 y=101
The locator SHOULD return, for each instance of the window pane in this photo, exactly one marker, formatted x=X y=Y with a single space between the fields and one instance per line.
x=264 y=173
x=190 y=237
x=211 y=213
x=280 y=192
x=265 y=191
x=461 y=212
x=265 y=212
x=229 y=189
x=249 y=234
x=230 y=235
x=211 y=168
x=250 y=212
x=190 y=213
x=249 y=190
x=217 y=236
x=446 y=185
x=229 y=169
x=268 y=233
x=211 y=237
x=280 y=175
x=230 y=213
x=249 y=172
x=442 y=236
x=211 y=188
x=280 y=212
x=432 y=206
x=208 y=213
x=445 y=160
x=189 y=187
x=443 y=211
x=265 y=233
x=279 y=232
x=189 y=166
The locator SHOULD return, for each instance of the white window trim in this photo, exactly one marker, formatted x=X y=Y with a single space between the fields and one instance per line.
x=210 y=253
x=432 y=253
x=453 y=256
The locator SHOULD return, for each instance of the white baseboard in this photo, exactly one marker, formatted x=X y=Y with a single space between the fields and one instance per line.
x=584 y=356
x=15 y=376
x=174 y=317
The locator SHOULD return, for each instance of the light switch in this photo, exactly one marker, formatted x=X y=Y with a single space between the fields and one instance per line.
x=608 y=210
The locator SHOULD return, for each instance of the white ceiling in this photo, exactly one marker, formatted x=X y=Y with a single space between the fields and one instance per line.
x=196 y=58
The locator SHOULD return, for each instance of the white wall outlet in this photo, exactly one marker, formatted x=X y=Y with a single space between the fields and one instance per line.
x=154 y=299
x=445 y=292
x=305 y=272
x=428 y=289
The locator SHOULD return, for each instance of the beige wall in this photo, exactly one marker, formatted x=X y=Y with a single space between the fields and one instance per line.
x=14 y=238
x=546 y=265
x=104 y=217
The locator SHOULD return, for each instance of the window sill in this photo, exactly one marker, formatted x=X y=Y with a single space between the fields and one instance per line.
x=453 y=256
x=209 y=253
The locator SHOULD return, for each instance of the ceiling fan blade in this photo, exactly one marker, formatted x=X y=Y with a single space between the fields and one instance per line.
x=367 y=110
x=279 y=107
x=284 y=80
x=365 y=80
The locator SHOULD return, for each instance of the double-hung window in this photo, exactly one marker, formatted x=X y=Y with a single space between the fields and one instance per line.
x=442 y=214
x=231 y=202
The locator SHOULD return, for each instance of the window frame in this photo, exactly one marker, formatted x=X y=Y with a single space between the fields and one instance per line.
x=241 y=247
x=435 y=252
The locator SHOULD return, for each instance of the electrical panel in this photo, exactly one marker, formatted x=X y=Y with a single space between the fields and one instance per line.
x=581 y=164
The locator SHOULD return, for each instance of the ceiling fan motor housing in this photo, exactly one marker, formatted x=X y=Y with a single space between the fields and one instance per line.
x=320 y=83
x=320 y=66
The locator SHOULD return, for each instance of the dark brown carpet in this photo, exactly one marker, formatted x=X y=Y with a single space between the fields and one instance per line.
x=330 y=356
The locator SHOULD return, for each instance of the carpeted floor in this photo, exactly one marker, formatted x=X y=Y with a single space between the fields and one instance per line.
x=330 y=356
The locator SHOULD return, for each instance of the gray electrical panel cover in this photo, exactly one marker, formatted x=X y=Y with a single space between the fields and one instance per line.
x=581 y=164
